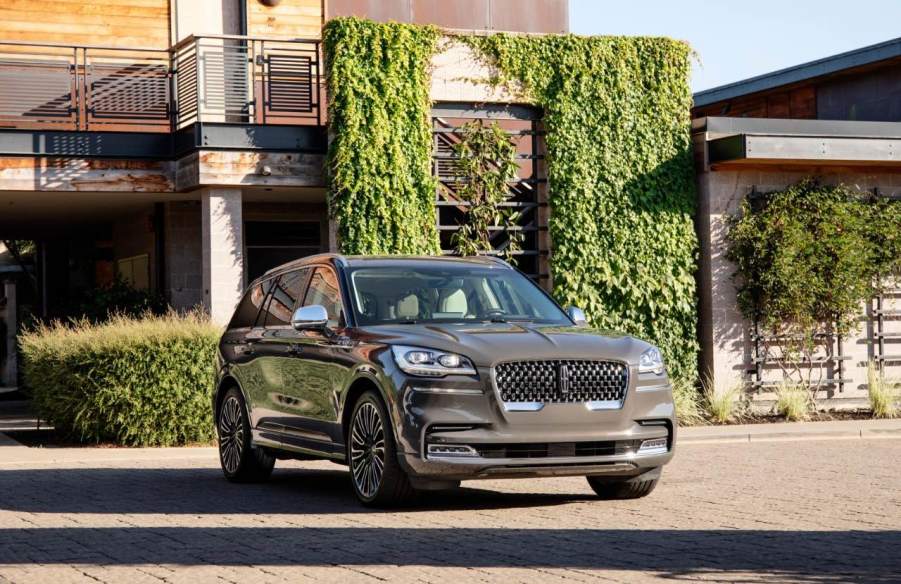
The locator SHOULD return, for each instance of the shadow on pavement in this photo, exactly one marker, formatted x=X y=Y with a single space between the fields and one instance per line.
x=731 y=554
x=194 y=491
x=784 y=555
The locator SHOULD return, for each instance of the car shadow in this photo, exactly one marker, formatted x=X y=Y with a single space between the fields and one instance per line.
x=198 y=491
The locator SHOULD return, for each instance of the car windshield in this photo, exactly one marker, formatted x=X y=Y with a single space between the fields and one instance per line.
x=455 y=293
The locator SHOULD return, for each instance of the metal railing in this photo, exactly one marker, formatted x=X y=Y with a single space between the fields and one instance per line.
x=224 y=78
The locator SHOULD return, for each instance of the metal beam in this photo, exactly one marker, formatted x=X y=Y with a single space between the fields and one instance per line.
x=163 y=146
x=805 y=149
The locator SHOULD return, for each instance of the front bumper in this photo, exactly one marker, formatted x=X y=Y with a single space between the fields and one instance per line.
x=555 y=440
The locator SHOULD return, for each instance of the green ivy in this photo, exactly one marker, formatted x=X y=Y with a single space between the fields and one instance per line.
x=381 y=188
x=808 y=256
x=622 y=193
x=485 y=165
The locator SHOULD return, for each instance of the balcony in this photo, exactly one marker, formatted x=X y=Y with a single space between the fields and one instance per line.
x=238 y=86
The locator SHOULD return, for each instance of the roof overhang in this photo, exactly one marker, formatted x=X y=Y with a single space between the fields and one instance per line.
x=866 y=56
x=763 y=141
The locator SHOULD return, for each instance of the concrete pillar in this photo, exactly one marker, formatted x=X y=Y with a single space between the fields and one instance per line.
x=223 y=251
x=9 y=368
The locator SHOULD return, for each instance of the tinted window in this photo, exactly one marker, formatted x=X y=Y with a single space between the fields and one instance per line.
x=324 y=290
x=246 y=313
x=285 y=295
x=449 y=293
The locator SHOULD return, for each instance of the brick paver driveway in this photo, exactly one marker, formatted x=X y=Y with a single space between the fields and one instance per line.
x=825 y=511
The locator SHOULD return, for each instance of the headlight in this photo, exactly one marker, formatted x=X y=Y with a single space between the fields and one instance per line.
x=431 y=363
x=651 y=361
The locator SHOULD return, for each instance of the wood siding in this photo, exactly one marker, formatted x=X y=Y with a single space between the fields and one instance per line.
x=114 y=23
x=289 y=19
x=798 y=103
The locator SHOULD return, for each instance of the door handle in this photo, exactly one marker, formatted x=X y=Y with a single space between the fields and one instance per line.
x=295 y=349
x=248 y=348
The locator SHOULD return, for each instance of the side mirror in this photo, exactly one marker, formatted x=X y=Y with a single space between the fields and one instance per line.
x=577 y=316
x=313 y=317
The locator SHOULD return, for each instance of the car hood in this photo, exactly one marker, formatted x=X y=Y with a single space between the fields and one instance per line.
x=489 y=343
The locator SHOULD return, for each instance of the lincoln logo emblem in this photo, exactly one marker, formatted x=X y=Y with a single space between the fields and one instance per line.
x=563 y=378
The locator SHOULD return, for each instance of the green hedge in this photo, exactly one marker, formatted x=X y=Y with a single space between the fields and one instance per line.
x=381 y=188
x=622 y=191
x=133 y=381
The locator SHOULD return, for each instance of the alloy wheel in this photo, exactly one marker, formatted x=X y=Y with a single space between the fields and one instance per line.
x=231 y=434
x=367 y=450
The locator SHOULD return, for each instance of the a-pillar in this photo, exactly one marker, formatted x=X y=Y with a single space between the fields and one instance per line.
x=223 y=252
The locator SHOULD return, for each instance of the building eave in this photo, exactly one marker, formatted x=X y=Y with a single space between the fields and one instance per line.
x=799 y=73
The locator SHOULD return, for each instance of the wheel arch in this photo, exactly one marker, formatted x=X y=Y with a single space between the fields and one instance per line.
x=227 y=382
x=358 y=387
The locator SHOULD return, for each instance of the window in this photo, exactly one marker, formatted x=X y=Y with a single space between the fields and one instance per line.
x=284 y=297
x=324 y=290
x=135 y=271
x=438 y=293
x=273 y=243
x=247 y=311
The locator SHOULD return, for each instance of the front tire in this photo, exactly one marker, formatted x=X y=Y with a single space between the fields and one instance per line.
x=240 y=462
x=633 y=488
x=377 y=478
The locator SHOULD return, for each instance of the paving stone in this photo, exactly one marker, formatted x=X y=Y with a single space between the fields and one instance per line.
x=812 y=511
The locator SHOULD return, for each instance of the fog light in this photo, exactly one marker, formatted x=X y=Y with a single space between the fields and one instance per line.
x=451 y=451
x=653 y=446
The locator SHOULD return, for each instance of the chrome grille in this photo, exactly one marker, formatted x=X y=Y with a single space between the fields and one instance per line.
x=562 y=381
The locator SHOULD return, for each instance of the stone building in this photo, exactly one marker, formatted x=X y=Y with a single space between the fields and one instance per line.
x=837 y=120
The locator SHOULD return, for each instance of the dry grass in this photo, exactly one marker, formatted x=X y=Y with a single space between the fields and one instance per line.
x=792 y=402
x=883 y=394
x=688 y=403
x=722 y=406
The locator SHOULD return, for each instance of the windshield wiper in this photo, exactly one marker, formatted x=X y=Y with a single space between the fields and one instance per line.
x=407 y=321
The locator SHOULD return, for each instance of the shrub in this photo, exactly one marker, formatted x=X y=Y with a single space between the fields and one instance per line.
x=143 y=381
x=882 y=393
x=807 y=257
x=722 y=406
x=118 y=297
x=792 y=401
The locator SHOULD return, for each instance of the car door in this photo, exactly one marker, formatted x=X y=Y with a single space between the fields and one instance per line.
x=323 y=359
x=275 y=349
x=240 y=343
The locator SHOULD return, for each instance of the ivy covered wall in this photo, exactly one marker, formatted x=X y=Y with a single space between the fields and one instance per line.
x=381 y=189
x=622 y=190
x=622 y=193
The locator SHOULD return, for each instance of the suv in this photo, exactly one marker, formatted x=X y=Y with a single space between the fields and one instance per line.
x=418 y=373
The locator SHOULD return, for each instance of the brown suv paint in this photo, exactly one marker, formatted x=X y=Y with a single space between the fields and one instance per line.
x=422 y=372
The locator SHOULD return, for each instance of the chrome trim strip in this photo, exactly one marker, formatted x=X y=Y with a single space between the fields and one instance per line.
x=522 y=406
x=659 y=387
x=469 y=461
x=604 y=405
x=447 y=390
x=652 y=451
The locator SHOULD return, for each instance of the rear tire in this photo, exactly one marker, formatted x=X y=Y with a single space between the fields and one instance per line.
x=633 y=488
x=241 y=463
x=376 y=476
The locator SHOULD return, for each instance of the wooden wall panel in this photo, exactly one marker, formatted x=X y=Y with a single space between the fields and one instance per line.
x=799 y=103
x=115 y=23
x=289 y=19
